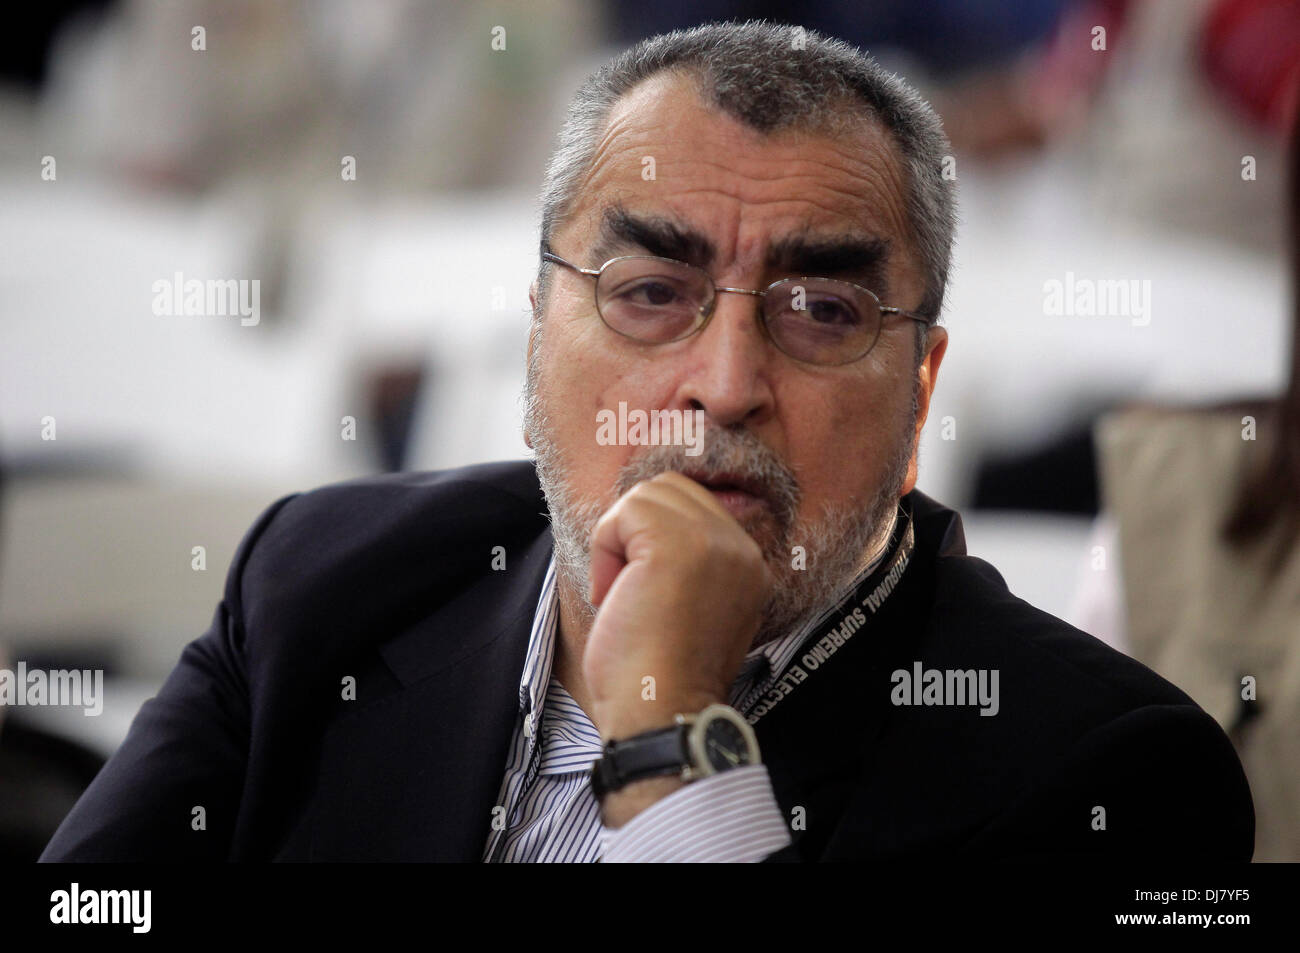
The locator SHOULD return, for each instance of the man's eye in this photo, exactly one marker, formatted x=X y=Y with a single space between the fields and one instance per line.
x=822 y=314
x=650 y=292
x=832 y=311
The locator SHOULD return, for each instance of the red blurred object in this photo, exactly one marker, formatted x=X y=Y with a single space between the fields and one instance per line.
x=1069 y=65
x=1250 y=50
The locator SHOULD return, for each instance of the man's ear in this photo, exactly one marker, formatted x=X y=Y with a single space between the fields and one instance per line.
x=936 y=346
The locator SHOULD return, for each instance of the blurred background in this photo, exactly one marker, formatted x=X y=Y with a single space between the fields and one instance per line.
x=374 y=166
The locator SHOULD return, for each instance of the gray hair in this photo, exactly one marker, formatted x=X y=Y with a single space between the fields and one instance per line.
x=772 y=77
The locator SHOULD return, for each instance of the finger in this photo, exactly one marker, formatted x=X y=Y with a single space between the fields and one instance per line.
x=606 y=564
x=648 y=506
x=613 y=538
x=691 y=491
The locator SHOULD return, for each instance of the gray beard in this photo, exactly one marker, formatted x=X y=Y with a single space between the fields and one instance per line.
x=838 y=543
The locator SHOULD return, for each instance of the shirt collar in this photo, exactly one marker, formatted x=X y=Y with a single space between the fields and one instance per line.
x=541 y=654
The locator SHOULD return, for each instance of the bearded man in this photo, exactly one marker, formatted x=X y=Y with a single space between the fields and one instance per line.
x=762 y=644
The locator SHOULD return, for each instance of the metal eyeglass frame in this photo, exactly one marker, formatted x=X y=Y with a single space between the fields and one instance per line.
x=596 y=273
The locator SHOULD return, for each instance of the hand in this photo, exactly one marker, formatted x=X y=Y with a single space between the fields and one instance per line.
x=680 y=587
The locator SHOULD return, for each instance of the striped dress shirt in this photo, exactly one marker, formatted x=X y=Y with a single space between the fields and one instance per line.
x=545 y=811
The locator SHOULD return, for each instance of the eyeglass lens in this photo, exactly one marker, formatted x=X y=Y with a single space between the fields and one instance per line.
x=818 y=320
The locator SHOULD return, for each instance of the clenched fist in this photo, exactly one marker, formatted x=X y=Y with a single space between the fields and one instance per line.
x=680 y=588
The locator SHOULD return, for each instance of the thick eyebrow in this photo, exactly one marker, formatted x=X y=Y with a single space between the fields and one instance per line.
x=621 y=230
x=862 y=259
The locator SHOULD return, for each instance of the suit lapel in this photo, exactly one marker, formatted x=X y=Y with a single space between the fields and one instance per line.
x=413 y=776
x=821 y=741
x=818 y=742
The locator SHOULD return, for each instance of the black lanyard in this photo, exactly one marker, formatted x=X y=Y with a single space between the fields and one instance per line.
x=853 y=613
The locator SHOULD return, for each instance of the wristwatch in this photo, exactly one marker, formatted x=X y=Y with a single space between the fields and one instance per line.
x=693 y=746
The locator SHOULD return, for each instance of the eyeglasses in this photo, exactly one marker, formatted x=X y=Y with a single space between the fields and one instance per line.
x=660 y=300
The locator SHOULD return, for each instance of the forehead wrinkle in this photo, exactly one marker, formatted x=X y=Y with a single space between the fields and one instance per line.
x=853 y=193
x=623 y=135
x=863 y=213
x=655 y=118
x=866 y=193
x=857 y=184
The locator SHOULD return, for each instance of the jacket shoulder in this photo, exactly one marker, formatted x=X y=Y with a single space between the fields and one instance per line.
x=370 y=554
x=1065 y=723
x=1053 y=661
x=401 y=516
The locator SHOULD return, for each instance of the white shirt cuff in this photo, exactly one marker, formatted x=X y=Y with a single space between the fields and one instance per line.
x=730 y=817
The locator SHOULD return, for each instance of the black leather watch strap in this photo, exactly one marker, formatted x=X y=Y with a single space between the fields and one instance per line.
x=647 y=755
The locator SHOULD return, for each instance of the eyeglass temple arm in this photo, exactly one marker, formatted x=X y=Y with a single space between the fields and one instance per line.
x=568 y=264
x=906 y=314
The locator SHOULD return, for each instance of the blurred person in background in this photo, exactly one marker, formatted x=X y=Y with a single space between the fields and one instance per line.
x=1202 y=529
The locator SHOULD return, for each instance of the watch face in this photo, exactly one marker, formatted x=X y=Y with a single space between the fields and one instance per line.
x=724 y=745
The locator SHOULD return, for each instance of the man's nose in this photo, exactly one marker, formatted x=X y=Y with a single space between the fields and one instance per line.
x=729 y=364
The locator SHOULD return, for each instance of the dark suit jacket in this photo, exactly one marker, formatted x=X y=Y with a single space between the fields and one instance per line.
x=389 y=580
